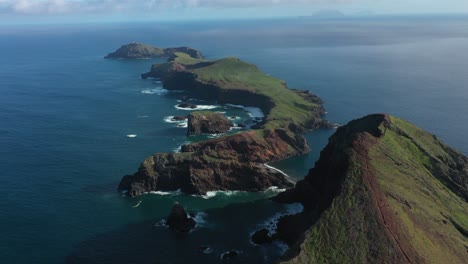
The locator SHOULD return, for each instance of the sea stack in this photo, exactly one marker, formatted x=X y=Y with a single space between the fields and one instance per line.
x=179 y=220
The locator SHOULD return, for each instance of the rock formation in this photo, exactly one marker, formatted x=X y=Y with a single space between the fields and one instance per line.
x=208 y=123
x=179 y=220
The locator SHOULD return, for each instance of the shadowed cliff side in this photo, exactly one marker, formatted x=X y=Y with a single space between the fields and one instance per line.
x=385 y=191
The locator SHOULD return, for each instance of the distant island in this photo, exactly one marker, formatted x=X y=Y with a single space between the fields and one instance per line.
x=232 y=162
x=137 y=50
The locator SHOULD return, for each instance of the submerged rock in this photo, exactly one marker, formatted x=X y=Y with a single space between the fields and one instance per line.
x=187 y=105
x=208 y=123
x=262 y=237
x=179 y=220
x=229 y=254
x=178 y=118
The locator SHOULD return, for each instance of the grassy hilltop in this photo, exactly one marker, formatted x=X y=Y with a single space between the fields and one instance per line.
x=289 y=106
x=390 y=193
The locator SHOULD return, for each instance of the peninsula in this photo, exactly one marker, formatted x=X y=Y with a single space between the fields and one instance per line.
x=233 y=162
x=382 y=191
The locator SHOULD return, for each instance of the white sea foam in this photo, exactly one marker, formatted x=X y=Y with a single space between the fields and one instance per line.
x=221 y=112
x=179 y=148
x=208 y=250
x=272 y=223
x=275 y=169
x=212 y=194
x=162 y=193
x=215 y=135
x=275 y=189
x=254 y=112
x=183 y=125
x=157 y=91
x=200 y=218
x=169 y=119
x=198 y=107
x=161 y=223
x=143 y=116
x=236 y=106
x=138 y=204
x=132 y=136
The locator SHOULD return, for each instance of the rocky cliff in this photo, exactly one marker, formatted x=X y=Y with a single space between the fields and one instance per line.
x=233 y=162
x=383 y=191
x=230 y=163
x=204 y=122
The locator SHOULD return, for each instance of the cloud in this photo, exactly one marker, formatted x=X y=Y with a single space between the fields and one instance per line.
x=27 y=7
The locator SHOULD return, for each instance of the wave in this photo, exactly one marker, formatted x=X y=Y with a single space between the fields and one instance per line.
x=132 y=136
x=169 y=119
x=275 y=169
x=271 y=223
x=275 y=189
x=162 y=193
x=215 y=135
x=199 y=218
x=183 y=125
x=138 y=204
x=157 y=91
x=212 y=194
x=198 y=107
x=254 y=112
x=143 y=116
x=179 y=148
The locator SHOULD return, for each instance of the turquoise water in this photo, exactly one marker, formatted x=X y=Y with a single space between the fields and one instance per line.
x=65 y=114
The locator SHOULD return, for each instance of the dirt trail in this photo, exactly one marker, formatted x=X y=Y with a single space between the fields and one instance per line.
x=377 y=196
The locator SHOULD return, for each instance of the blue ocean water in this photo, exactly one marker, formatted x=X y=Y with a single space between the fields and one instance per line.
x=65 y=114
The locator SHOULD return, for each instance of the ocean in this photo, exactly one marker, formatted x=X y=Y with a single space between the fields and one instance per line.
x=72 y=124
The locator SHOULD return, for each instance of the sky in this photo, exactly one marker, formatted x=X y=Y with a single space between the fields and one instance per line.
x=59 y=11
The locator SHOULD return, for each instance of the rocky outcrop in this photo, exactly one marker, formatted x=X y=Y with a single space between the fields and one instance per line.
x=234 y=162
x=179 y=220
x=169 y=52
x=208 y=123
x=178 y=118
x=144 y=51
x=383 y=191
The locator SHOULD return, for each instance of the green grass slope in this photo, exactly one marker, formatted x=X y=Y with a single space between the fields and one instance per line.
x=401 y=199
x=234 y=74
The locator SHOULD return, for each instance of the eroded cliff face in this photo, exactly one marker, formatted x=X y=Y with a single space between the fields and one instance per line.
x=383 y=191
x=231 y=163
